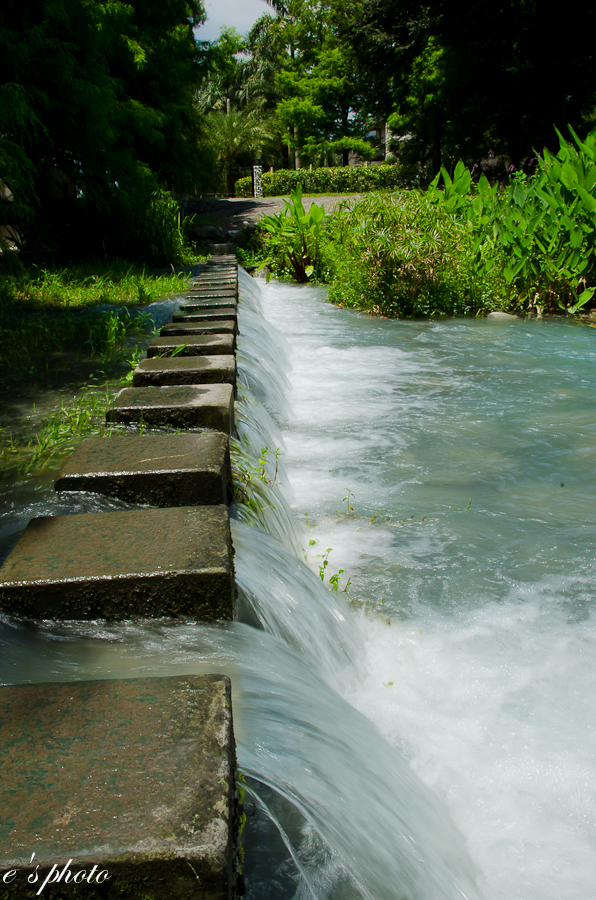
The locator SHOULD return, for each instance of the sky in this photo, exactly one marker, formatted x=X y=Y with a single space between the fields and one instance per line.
x=241 y=14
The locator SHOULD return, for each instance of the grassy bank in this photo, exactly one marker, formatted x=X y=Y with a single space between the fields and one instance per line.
x=67 y=344
x=46 y=314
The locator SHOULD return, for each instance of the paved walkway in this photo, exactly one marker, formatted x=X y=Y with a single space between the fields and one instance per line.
x=234 y=212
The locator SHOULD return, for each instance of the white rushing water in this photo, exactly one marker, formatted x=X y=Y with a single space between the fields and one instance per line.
x=450 y=467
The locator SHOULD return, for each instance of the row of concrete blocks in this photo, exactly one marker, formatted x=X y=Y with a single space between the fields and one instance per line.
x=127 y=787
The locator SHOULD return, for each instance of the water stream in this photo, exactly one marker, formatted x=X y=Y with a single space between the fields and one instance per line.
x=429 y=734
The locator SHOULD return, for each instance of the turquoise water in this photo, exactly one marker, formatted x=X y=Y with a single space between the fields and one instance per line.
x=466 y=452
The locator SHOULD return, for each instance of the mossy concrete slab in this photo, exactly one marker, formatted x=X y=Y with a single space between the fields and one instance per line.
x=134 y=779
x=133 y=564
x=221 y=326
x=180 y=406
x=185 y=370
x=227 y=313
x=197 y=303
x=215 y=292
x=184 y=469
x=192 y=345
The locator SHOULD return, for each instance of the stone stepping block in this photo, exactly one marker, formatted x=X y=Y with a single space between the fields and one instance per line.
x=180 y=406
x=207 y=315
x=207 y=292
x=198 y=304
x=133 y=564
x=221 y=326
x=184 y=469
x=222 y=287
x=185 y=370
x=192 y=345
x=230 y=296
x=134 y=778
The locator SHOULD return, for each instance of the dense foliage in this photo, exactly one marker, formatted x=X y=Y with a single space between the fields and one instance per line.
x=328 y=180
x=96 y=119
x=462 y=248
x=539 y=232
x=401 y=255
x=461 y=79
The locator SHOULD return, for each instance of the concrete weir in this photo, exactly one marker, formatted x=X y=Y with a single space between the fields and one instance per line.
x=126 y=788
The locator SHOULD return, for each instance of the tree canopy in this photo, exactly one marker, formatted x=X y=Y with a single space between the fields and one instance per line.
x=463 y=78
x=96 y=111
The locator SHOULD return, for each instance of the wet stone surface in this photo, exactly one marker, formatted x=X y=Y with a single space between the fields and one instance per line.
x=161 y=469
x=136 y=564
x=132 y=778
x=222 y=326
x=214 y=291
x=192 y=345
x=197 y=303
x=209 y=315
x=186 y=370
x=180 y=406
x=199 y=316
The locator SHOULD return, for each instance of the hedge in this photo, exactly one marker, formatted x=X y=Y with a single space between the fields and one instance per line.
x=336 y=180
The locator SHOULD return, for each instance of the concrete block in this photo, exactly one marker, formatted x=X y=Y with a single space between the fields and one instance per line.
x=133 y=564
x=180 y=406
x=221 y=249
x=222 y=326
x=185 y=370
x=198 y=304
x=184 y=469
x=207 y=315
x=132 y=778
x=211 y=290
x=192 y=345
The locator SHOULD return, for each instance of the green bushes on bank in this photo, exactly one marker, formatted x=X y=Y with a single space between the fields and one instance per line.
x=461 y=248
x=331 y=180
x=399 y=255
x=538 y=233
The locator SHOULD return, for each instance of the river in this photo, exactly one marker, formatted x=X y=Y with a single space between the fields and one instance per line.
x=429 y=733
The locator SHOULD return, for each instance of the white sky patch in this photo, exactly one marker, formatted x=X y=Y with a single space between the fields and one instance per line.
x=240 y=14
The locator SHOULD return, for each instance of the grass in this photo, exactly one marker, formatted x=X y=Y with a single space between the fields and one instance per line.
x=50 y=312
x=57 y=340
x=57 y=434
x=398 y=255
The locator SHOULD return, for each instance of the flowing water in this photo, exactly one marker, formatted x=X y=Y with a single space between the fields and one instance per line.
x=429 y=734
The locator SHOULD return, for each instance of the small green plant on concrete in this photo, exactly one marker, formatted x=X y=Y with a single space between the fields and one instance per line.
x=245 y=472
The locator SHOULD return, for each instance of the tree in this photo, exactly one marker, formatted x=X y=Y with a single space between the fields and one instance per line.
x=470 y=77
x=317 y=93
x=96 y=114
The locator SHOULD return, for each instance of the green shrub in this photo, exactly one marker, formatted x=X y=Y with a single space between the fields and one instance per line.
x=400 y=255
x=538 y=233
x=331 y=180
x=294 y=238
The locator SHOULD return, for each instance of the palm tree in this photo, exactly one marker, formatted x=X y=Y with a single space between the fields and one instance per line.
x=234 y=132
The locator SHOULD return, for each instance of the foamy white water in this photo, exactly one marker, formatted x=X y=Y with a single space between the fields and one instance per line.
x=479 y=629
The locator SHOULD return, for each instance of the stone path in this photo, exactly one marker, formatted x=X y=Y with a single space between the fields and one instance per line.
x=129 y=786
